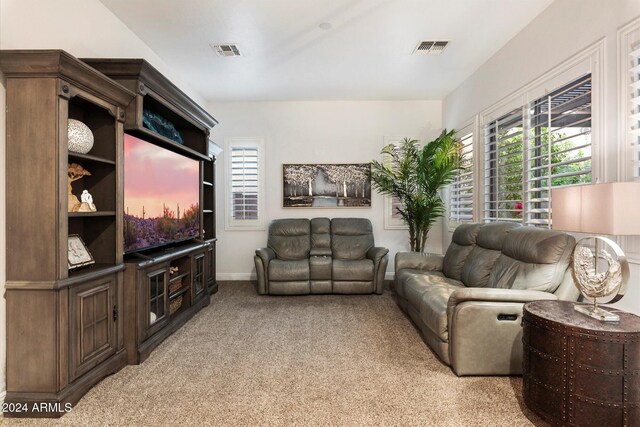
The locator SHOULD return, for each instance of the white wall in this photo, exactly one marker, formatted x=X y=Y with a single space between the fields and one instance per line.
x=315 y=132
x=561 y=31
x=84 y=28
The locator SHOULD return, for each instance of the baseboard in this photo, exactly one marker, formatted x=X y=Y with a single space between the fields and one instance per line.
x=252 y=276
x=235 y=276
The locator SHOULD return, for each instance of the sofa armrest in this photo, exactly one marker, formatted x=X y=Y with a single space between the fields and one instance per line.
x=380 y=261
x=266 y=255
x=485 y=332
x=261 y=260
x=376 y=253
x=418 y=261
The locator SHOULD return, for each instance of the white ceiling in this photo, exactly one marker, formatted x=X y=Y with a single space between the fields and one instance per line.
x=365 y=55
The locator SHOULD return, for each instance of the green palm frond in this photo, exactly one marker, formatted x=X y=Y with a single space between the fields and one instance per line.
x=415 y=176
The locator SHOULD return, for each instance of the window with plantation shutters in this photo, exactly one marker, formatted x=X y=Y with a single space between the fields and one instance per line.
x=504 y=167
x=392 y=219
x=461 y=190
x=545 y=144
x=634 y=111
x=559 y=146
x=244 y=183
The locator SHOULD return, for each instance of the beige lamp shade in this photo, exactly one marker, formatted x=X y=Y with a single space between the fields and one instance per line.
x=612 y=208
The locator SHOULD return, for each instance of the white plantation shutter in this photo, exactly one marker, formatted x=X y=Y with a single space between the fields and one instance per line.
x=244 y=184
x=531 y=149
x=559 y=146
x=504 y=149
x=461 y=190
x=634 y=116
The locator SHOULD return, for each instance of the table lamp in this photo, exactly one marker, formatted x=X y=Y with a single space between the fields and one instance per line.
x=610 y=209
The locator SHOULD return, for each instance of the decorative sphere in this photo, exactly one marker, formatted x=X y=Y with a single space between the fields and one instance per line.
x=79 y=136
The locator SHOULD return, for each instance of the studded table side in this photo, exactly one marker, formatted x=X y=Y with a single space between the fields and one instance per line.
x=579 y=371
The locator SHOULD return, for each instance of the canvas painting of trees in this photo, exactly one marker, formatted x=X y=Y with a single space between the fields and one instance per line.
x=326 y=185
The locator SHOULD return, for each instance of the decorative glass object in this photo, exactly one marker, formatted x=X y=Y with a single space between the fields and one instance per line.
x=79 y=136
x=160 y=125
x=600 y=270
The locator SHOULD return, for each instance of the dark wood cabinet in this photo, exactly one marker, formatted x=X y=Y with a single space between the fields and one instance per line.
x=155 y=93
x=163 y=290
x=68 y=327
x=93 y=314
x=64 y=332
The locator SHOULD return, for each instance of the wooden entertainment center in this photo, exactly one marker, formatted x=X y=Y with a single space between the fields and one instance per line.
x=67 y=328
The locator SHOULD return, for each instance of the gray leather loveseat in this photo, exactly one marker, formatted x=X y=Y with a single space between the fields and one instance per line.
x=468 y=303
x=320 y=256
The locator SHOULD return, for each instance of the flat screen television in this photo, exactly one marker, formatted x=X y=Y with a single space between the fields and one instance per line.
x=161 y=196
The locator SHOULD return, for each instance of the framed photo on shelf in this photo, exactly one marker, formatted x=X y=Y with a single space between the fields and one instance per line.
x=79 y=254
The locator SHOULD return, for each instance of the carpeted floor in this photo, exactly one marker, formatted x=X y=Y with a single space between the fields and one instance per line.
x=249 y=360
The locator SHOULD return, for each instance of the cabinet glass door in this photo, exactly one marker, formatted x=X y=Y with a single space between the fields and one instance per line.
x=198 y=275
x=157 y=296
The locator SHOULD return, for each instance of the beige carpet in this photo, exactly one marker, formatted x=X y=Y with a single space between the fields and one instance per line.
x=250 y=360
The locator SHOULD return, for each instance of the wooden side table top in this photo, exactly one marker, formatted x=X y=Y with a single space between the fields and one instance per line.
x=563 y=313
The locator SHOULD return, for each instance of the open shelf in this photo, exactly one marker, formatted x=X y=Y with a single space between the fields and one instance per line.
x=167 y=143
x=90 y=214
x=179 y=292
x=90 y=158
x=178 y=277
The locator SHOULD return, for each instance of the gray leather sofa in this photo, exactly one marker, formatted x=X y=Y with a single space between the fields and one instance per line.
x=320 y=256
x=468 y=303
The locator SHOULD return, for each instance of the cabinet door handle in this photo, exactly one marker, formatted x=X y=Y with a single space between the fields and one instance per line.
x=115 y=313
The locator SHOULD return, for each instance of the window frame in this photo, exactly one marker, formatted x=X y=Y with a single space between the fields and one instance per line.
x=468 y=130
x=391 y=223
x=590 y=60
x=232 y=224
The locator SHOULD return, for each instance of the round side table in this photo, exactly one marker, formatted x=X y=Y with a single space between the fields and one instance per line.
x=579 y=371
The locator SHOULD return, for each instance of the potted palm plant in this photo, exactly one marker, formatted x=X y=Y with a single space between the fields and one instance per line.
x=415 y=176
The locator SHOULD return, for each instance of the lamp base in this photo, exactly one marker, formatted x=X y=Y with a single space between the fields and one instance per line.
x=597 y=313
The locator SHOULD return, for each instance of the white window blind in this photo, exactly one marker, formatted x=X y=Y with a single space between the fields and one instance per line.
x=244 y=183
x=544 y=144
x=504 y=148
x=461 y=190
x=634 y=116
x=559 y=146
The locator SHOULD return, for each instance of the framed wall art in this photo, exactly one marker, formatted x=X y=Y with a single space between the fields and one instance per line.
x=326 y=185
x=79 y=254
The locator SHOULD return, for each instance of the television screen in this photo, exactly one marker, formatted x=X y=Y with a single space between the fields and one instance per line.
x=161 y=196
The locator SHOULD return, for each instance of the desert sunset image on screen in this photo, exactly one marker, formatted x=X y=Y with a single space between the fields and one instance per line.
x=161 y=196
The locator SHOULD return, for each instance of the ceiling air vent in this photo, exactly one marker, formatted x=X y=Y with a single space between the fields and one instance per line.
x=430 y=47
x=226 y=49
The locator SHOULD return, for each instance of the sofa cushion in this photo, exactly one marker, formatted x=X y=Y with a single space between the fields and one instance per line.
x=405 y=274
x=351 y=238
x=292 y=270
x=416 y=286
x=478 y=265
x=462 y=242
x=532 y=258
x=346 y=269
x=290 y=239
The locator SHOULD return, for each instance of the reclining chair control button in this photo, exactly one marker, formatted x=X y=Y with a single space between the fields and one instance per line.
x=507 y=317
